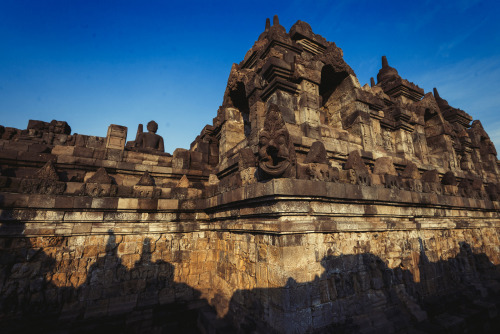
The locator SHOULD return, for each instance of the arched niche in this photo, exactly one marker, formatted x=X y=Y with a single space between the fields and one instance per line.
x=330 y=80
x=239 y=101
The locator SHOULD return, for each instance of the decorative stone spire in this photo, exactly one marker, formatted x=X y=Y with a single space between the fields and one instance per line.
x=276 y=20
x=276 y=31
x=372 y=82
x=386 y=72
x=385 y=63
x=436 y=94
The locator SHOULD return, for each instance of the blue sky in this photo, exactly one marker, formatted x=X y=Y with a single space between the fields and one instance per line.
x=94 y=63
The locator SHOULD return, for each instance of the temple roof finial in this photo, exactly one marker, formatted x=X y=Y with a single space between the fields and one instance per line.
x=385 y=63
x=268 y=24
x=276 y=21
x=436 y=94
x=372 y=82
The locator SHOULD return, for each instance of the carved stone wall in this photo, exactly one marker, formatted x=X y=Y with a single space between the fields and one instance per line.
x=311 y=204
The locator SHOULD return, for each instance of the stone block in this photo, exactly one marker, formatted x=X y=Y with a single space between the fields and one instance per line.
x=114 y=154
x=99 y=154
x=335 y=190
x=165 y=161
x=122 y=216
x=12 y=200
x=39 y=148
x=168 y=204
x=66 y=159
x=85 y=161
x=353 y=191
x=63 y=150
x=8 y=154
x=82 y=202
x=82 y=228
x=106 y=203
x=84 y=152
x=150 y=163
x=110 y=164
x=181 y=159
x=102 y=227
x=64 y=202
x=38 y=157
x=144 y=168
x=152 y=158
x=127 y=203
x=83 y=216
x=147 y=204
x=73 y=188
x=41 y=201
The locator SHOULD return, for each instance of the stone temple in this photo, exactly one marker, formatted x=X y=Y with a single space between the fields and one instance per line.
x=311 y=204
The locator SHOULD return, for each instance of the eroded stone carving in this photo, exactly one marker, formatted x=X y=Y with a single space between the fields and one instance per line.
x=44 y=181
x=317 y=153
x=321 y=172
x=99 y=185
x=449 y=183
x=384 y=167
x=431 y=182
x=316 y=167
x=145 y=187
x=146 y=180
x=276 y=151
x=356 y=165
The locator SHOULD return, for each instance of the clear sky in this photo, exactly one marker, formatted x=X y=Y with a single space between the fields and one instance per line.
x=94 y=63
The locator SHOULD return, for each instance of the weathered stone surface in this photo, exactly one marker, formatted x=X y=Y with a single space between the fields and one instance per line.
x=146 y=180
x=116 y=137
x=317 y=171
x=384 y=166
x=317 y=154
x=276 y=150
x=301 y=209
x=101 y=177
x=44 y=181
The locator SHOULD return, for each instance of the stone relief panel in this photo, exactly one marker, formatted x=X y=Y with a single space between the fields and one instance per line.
x=276 y=150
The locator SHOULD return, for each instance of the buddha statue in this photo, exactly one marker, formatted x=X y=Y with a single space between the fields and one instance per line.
x=149 y=142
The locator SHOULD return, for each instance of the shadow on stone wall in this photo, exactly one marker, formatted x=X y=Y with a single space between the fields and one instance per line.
x=355 y=294
x=112 y=299
x=360 y=294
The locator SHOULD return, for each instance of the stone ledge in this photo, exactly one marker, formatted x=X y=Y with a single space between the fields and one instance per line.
x=268 y=226
x=347 y=193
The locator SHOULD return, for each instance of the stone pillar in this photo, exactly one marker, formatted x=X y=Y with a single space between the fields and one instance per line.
x=309 y=103
x=404 y=143
x=232 y=131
